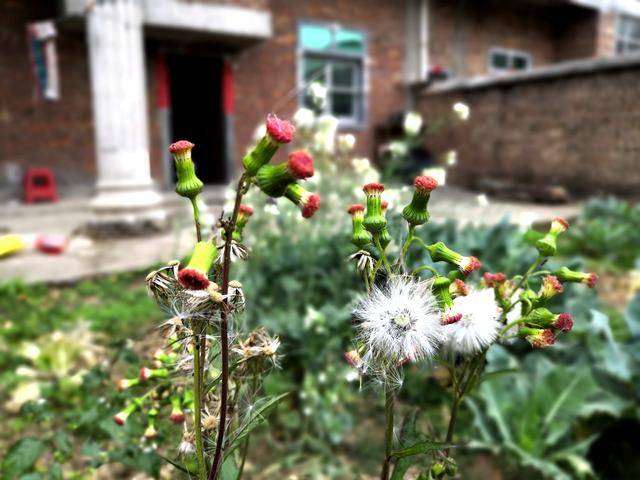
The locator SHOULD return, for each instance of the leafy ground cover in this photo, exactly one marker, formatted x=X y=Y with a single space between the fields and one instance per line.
x=62 y=347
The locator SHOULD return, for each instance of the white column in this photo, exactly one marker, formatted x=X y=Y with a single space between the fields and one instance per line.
x=125 y=191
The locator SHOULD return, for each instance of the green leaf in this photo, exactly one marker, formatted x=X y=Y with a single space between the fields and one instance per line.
x=425 y=446
x=496 y=374
x=229 y=470
x=408 y=436
x=532 y=236
x=21 y=457
x=256 y=417
x=180 y=467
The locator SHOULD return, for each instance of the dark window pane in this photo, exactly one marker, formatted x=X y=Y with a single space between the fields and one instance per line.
x=633 y=47
x=314 y=70
x=499 y=60
x=520 y=62
x=343 y=74
x=343 y=104
x=350 y=41
x=315 y=37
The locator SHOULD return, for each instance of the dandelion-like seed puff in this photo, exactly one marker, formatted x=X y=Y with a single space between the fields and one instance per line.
x=479 y=325
x=397 y=322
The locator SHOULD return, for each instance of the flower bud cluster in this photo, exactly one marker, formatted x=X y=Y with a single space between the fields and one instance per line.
x=282 y=180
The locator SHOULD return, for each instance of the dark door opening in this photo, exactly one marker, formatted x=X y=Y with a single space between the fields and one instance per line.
x=196 y=112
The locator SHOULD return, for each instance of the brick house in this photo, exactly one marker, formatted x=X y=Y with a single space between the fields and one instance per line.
x=137 y=74
x=553 y=88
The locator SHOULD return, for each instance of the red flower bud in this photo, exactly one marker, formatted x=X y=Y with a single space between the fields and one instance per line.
x=300 y=164
x=425 y=183
x=281 y=131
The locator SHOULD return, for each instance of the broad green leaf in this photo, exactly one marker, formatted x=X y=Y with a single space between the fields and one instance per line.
x=424 y=446
x=21 y=457
x=229 y=470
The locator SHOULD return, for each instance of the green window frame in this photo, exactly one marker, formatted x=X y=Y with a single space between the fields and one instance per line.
x=335 y=57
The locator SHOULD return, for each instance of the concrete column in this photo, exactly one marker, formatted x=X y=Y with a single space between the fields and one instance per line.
x=125 y=191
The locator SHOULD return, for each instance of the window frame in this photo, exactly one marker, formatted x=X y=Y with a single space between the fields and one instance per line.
x=331 y=56
x=626 y=40
x=511 y=54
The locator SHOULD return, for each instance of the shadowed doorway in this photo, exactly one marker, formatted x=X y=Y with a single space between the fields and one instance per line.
x=197 y=114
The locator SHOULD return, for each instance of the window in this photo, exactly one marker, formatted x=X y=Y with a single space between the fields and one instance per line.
x=334 y=56
x=627 y=35
x=502 y=60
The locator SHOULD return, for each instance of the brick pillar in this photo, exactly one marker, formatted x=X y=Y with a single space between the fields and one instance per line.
x=125 y=192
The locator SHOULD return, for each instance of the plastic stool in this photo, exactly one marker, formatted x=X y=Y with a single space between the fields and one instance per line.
x=39 y=185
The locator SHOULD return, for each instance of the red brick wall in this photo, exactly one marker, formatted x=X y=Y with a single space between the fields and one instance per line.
x=266 y=73
x=35 y=132
x=580 y=132
x=461 y=33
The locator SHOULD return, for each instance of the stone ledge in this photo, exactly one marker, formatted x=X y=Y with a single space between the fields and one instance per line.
x=556 y=71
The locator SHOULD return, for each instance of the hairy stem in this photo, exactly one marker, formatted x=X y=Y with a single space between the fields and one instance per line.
x=197 y=400
x=388 y=435
x=229 y=228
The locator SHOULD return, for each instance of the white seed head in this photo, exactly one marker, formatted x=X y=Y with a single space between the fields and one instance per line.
x=398 y=322
x=478 y=328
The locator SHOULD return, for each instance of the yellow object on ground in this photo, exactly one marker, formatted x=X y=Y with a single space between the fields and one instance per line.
x=10 y=244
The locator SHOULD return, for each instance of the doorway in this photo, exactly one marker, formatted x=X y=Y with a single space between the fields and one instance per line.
x=197 y=114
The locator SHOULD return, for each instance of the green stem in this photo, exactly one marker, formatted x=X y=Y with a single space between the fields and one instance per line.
x=509 y=326
x=196 y=217
x=385 y=262
x=426 y=267
x=197 y=409
x=388 y=436
x=407 y=242
x=230 y=226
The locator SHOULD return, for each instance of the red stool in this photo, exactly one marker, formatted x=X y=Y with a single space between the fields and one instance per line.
x=39 y=184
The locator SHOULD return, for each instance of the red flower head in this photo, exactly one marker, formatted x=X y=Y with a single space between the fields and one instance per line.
x=550 y=287
x=281 y=131
x=192 y=279
x=591 y=280
x=384 y=205
x=373 y=188
x=245 y=210
x=181 y=146
x=144 y=374
x=425 y=183
x=307 y=202
x=300 y=164
x=311 y=206
x=356 y=207
x=564 y=322
x=468 y=265
x=177 y=416
x=120 y=418
x=538 y=337
x=559 y=224
x=449 y=318
x=459 y=288
x=493 y=279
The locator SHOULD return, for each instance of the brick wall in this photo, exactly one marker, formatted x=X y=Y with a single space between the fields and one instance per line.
x=579 y=130
x=35 y=132
x=462 y=33
x=266 y=73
